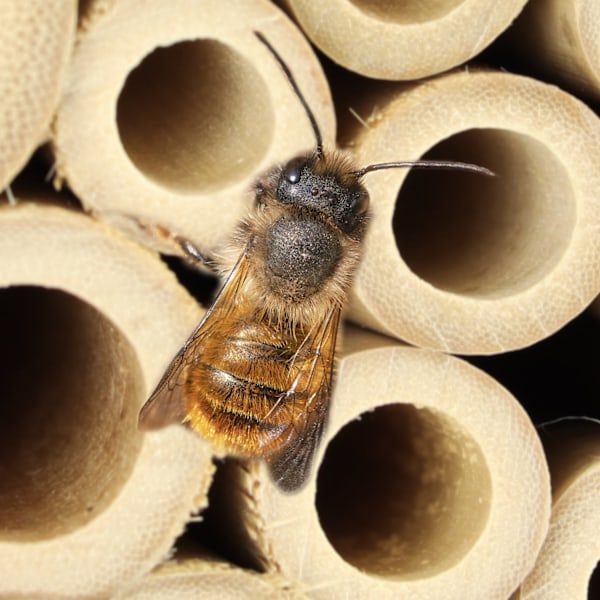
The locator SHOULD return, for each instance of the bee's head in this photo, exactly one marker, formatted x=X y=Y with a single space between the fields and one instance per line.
x=326 y=186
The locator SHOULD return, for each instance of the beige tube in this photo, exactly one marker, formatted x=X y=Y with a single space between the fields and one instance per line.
x=403 y=40
x=474 y=264
x=173 y=124
x=36 y=40
x=559 y=38
x=572 y=549
x=89 y=321
x=430 y=483
x=201 y=579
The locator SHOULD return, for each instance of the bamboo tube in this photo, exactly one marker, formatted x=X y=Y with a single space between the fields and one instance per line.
x=559 y=39
x=403 y=40
x=428 y=469
x=199 y=579
x=36 y=39
x=172 y=125
x=572 y=548
x=88 y=322
x=474 y=264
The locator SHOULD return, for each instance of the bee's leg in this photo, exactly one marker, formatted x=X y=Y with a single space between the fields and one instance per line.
x=192 y=255
x=172 y=244
x=158 y=237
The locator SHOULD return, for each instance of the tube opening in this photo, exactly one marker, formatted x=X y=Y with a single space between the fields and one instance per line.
x=403 y=493
x=71 y=389
x=594 y=585
x=194 y=117
x=480 y=236
x=405 y=13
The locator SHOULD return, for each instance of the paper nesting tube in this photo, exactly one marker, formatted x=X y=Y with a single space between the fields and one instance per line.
x=36 y=39
x=559 y=38
x=431 y=483
x=89 y=321
x=473 y=264
x=403 y=40
x=196 y=579
x=171 y=121
x=572 y=549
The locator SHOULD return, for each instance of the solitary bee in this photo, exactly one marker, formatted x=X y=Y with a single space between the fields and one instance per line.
x=255 y=377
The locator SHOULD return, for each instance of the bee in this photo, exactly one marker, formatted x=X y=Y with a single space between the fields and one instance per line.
x=255 y=376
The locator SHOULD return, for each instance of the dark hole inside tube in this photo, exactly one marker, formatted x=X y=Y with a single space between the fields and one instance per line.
x=71 y=388
x=402 y=492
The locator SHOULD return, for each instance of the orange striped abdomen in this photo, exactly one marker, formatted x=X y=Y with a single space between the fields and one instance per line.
x=238 y=389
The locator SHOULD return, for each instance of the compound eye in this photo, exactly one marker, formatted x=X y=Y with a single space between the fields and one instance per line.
x=360 y=203
x=293 y=170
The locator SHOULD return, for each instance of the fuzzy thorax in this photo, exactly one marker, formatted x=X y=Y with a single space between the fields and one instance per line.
x=302 y=238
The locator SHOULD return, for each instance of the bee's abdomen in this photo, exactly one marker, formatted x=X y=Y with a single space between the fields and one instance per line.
x=239 y=392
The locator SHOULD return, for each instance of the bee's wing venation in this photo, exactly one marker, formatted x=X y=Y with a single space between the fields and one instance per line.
x=290 y=466
x=167 y=404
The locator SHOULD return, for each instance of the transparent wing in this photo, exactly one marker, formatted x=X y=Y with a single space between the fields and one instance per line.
x=167 y=404
x=290 y=464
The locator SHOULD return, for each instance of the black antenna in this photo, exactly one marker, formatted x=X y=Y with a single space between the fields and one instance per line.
x=290 y=78
x=448 y=165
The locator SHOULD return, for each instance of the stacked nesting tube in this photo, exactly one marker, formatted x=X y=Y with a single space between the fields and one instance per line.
x=431 y=479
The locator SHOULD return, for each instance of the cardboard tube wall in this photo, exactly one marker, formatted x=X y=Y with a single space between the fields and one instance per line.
x=201 y=579
x=428 y=468
x=572 y=548
x=173 y=124
x=403 y=40
x=560 y=39
x=472 y=264
x=89 y=321
x=36 y=39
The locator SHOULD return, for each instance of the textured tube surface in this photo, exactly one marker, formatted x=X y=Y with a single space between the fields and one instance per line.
x=201 y=579
x=36 y=39
x=559 y=38
x=473 y=264
x=427 y=468
x=571 y=551
x=89 y=321
x=403 y=40
x=174 y=123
